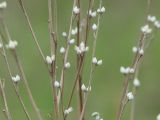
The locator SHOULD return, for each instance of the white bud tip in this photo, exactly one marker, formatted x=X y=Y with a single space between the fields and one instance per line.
x=81 y=48
x=158 y=117
x=122 y=69
x=130 y=96
x=64 y=34
x=134 y=49
x=101 y=10
x=94 y=60
x=16 y=78
x=127 y=70
x=76 y=10
x=1 y=45
x=89 y=88
x=67 y=65
x=57 y=84
x=3 y=5
x=49 y=59
x=71 y=42
x=92 y=14
x=131 y=70
x=94 y=114
x=74 y=31
x=141 y=51
x=83 y=87
x=94 y=27
x=69 y=110
x=157 y=24
x=12 y=45
x=136 y=82
x=146 y=29
x=62 y=50
x=151 y=18
x=99 y=62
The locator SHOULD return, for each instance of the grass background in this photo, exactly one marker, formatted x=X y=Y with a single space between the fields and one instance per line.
x=119 y=31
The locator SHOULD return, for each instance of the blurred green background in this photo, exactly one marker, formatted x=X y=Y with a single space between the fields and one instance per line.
x=119 y=32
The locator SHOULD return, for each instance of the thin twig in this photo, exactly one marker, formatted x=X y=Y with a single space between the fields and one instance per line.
x=18 y=62
x=31 y=29
x=50 y=24
x=90 y=5
x=53 y=41
x=6 y=111
x=65 y=57
x=145 y=46
x=14 y=85
x=80 y=96
x=135 y=63
x=133 y=102
x=123 y=107
x=80 y=66
x=81 y=61
x=132 y=115
x=53 y=74
x=92 y=66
